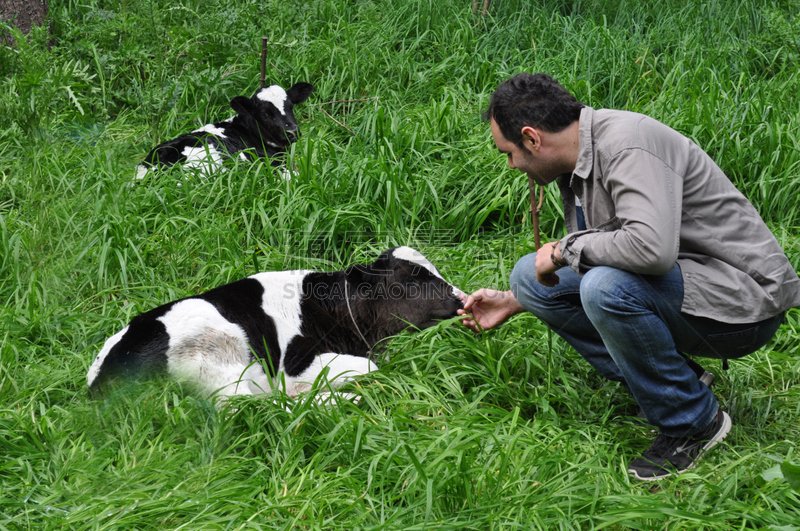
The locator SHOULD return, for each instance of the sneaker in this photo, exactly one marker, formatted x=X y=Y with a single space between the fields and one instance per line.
x=670 y=456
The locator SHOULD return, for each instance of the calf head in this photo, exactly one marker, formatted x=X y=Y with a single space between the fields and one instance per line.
x=402 y=287
x=270 y=112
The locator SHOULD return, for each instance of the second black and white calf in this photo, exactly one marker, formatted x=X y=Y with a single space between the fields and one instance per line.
x=294 y=323
x=264 y=126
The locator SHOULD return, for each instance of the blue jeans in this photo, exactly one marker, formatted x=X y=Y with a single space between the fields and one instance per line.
x=630 y=328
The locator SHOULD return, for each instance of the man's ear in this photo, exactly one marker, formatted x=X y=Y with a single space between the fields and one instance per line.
x=531 y=137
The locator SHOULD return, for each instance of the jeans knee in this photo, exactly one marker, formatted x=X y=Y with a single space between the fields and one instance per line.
x=601 y=288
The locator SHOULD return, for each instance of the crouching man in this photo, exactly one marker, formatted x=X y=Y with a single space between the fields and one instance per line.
x=664 y=258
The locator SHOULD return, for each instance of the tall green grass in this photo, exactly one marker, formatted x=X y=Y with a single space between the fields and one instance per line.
x=507 y=430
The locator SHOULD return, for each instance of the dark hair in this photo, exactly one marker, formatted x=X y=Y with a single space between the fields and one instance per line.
x=535 y=100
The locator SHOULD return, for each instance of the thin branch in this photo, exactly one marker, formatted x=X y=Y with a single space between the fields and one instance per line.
x=342 y=101
x=338 y=122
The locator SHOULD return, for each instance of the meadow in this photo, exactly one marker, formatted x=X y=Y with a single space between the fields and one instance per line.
x=509 y=429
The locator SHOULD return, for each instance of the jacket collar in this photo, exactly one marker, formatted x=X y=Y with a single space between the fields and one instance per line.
x=585 y=163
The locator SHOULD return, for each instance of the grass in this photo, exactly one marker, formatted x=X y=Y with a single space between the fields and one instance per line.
x=507 y=430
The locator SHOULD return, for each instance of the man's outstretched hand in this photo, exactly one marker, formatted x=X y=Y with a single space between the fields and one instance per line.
x=488 y=308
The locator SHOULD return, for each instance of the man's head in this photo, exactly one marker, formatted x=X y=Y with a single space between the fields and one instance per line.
x=534 y=122
x=534 y=100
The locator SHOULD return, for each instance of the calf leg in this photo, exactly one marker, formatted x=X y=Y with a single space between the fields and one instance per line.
x=341 y=369
x=225 y=380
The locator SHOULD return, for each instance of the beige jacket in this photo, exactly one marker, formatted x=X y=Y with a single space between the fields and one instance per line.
x=652 y=197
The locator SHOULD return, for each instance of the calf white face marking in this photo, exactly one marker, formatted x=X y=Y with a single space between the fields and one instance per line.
x=415 y=257
x=274 y=95
x=211 y=129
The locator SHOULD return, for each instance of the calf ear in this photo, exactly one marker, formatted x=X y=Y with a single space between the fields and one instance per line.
x=382 y=267
x=300 y=92
x=243 y=105
x=386 y=256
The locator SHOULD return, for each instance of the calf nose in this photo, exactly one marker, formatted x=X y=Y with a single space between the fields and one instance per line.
x=293 y=134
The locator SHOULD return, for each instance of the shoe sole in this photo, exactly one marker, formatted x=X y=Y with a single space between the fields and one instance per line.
x=718 y=438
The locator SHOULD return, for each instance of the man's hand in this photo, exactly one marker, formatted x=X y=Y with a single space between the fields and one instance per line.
x=489 y=308
x=545 y=268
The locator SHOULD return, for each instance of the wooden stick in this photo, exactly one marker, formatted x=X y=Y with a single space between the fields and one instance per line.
x=341 y=101
x=535 y=209
x=263 y=61
x=338 y=122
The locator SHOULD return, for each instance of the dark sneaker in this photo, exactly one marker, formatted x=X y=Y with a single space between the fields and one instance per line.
x=670 y=456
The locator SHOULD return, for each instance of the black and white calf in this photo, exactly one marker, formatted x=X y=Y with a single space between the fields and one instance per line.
x=264 y=126
x=296 y=323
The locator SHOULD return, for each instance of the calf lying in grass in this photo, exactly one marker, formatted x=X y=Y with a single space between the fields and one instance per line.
x=264 y=127
x=295 y=322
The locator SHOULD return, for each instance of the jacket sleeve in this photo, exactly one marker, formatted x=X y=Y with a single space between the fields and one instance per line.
x=644 y=236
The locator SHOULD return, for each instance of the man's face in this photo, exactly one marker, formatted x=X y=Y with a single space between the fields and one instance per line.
x=525 y=160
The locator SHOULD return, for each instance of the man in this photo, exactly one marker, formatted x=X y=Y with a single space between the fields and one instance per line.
x=663 y=257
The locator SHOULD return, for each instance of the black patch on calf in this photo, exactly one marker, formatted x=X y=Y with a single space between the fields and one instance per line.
x=240 y=303
x=326 y=325
x=300 y=353
x=140 y=352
